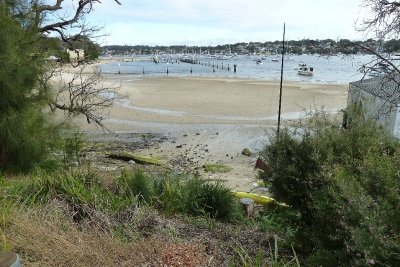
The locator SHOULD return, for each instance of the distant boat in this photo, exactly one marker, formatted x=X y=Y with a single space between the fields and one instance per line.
x=276 y=58
x=223 y=57
x=378 y=70
x=156 y=60
x=376 y=73
x=259 y=61
x=303 y=69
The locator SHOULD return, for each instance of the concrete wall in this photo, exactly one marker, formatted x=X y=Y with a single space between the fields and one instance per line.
x=396 y=124
x=376 y=108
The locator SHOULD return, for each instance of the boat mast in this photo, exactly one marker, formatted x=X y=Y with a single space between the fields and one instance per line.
x=280 y=88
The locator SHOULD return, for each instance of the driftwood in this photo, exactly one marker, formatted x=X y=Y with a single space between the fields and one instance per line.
x=125 y=156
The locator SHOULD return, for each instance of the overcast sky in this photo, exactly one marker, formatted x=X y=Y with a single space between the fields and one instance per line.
x=205 y=22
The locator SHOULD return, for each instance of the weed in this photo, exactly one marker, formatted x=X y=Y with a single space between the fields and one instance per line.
x=137 y=184
x=213 y=199
x=217 y=168
x=262 y=258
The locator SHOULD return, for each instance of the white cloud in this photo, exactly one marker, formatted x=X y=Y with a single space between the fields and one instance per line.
x=226 y=20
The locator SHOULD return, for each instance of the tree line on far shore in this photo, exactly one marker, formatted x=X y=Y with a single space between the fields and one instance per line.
x=306 y=46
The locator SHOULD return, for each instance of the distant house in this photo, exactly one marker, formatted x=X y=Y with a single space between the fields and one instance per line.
x=76 y=55
x=379 y=100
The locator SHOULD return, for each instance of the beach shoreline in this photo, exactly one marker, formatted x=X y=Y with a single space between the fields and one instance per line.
x=211 y=120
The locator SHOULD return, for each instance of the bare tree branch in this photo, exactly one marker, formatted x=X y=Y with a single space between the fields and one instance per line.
x=384 y=20
x=84 y=7
x=82 y=95
x=55 y=7
x=85 y=95
x=80 y=10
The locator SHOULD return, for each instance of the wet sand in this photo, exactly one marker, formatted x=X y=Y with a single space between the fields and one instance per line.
x=212 y=119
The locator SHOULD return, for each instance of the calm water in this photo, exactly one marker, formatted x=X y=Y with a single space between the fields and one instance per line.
x=334 y=69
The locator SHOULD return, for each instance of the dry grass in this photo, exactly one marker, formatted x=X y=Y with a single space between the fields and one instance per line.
x=183 y=255
x=56 y=243
x=48 y=237
x=138 y=236
x=54 y=240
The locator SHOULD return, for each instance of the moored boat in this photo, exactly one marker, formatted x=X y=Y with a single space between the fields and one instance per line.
x=305 y=70
x=156 y=59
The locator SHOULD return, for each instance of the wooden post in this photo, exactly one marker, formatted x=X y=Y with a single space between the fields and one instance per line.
x=228 y=68
x=280 y=88
x=167 y=71
x=234 y=68
x=143 y=70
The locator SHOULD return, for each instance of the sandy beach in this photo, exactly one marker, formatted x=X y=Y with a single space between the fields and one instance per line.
x=211 y=120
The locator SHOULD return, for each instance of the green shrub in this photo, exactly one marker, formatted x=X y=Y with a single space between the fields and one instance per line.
x=279 y=221
x=82 y=191
x=345 y=184
x=137 y=184
x=212 y=199
x=25 y=130
x=188 y=194
x=170 y=193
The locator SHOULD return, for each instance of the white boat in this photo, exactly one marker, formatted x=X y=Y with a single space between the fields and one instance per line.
x=156 y=59
x=303 y=69
x=259 y=61
x=223 y=57
x=376 y=73
x=276 y=58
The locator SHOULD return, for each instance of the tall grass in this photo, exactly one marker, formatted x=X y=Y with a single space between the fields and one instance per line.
x=82 y=191
x=136 y=184
x=182 y=194
x=272 y=258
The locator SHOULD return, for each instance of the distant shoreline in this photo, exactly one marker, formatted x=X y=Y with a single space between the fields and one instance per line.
x=331 y=70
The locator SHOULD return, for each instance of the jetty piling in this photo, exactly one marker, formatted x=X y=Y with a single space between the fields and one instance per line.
x=213 y=64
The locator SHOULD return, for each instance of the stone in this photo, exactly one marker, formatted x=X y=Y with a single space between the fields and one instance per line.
x=248 y=206
x=246 y=152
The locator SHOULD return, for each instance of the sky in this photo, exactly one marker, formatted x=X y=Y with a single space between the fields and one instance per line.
x=213 y=22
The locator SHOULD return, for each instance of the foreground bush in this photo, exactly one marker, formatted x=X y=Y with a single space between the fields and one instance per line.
x=346 y=186
x=182 y=194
